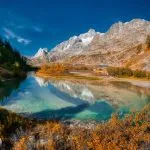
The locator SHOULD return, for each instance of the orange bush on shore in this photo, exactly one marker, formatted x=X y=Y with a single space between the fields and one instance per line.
x=132 y=132
x=53 y=69
x=126 y=72
x=59 y=68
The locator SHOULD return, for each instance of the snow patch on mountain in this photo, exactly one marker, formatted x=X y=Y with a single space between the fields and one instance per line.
x=41 y=52
x=81 y=40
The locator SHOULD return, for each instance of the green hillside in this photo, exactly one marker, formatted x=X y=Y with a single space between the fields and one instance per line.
x=12 y=64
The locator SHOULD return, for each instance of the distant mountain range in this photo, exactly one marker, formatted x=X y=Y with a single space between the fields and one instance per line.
x=124 y=44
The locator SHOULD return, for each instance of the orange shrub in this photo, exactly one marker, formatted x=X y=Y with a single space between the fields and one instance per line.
x=132 y=132
x=53 y=69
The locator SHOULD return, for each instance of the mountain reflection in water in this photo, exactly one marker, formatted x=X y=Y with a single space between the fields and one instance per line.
x=72 y=99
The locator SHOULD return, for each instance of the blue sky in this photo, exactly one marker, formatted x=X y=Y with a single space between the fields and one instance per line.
x=31 y=24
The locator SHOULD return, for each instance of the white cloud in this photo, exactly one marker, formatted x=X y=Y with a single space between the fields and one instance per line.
x=28 y=27
x=20 y=27
x=37 y=29
x=7 y=36
x=24 y=41
x=11 y=24
x=11 y=35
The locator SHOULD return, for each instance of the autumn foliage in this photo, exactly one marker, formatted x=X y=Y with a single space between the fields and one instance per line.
x=131 y=133
x=53 y=69
x=126 y=72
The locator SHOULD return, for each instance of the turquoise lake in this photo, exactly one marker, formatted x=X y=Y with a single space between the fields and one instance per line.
x=71 y=99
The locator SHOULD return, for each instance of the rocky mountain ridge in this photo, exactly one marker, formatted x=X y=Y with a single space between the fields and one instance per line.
x=121 y=44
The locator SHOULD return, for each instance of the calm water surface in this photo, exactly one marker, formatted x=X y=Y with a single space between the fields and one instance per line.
x=72 y=99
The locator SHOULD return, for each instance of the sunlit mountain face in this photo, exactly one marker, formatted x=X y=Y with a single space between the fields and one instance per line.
x=118 y=47
x=82 y=100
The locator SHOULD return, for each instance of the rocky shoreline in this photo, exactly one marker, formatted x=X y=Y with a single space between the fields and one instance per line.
x=81 y=124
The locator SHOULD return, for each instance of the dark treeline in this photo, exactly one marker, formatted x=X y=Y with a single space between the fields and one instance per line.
x=11 y=60
x=126 y=72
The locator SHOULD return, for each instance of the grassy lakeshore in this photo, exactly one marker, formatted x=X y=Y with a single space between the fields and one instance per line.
x=60 y=71
x=57 y=70
x=67 y=76
x=89 y=76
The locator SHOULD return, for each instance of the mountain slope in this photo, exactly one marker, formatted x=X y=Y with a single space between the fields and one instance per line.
x=12 y=64
x=76 y=45
x=120 y=44
x=41 y=53
x=40 y=57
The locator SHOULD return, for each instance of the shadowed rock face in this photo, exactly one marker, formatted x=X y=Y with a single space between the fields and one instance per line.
x=117 y=47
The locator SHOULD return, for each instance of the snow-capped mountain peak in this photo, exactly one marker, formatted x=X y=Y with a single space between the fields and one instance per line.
x=87 y=38
x=76 y=42
x=114 y=47
x=41 y=52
